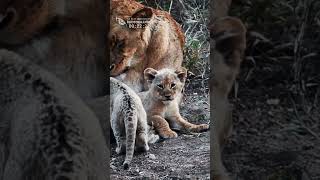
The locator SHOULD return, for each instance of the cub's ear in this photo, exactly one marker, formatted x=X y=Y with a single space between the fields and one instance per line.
x=143 y=13
x=150 y=74
x=182 y=74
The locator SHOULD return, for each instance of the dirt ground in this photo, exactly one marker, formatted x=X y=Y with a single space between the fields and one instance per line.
x=275 y=137
x=185 y=157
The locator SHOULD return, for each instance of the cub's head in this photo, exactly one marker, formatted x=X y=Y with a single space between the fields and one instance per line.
x=165 y=84
x=20 y=20
x=129 y=41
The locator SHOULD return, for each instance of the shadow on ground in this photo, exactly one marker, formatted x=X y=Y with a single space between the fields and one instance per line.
x=274 y=137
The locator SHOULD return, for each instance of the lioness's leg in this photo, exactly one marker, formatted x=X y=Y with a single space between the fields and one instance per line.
x=162 y=127
x=218 y=135
x=229 y=36
x=218 y=171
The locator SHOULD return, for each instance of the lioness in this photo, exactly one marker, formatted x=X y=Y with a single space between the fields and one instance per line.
x=161 y=101
x=228 y=40
x=229 y=34
x=158 y=44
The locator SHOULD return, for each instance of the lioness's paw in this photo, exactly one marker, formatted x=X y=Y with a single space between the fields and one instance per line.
x=168 y=134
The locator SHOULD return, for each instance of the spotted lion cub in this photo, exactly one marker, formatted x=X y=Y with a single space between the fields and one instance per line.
x=128 y=120
x=162 y=100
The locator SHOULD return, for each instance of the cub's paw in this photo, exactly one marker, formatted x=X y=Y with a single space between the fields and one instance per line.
x=200 y=128
x=153 y=138
x=168 y=134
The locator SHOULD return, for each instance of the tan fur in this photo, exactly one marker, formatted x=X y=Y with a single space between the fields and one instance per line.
x=229 y=38
x=52 y=45
x=162 y=100
x=220 y=8
x=158 y=45
x=21 y=25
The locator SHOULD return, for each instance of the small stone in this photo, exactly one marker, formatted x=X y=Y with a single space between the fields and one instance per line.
x=273 y=101
x=152 y=156
x=270 y=113
x=290 y=109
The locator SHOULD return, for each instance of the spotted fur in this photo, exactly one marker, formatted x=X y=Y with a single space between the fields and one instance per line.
x=128 y=120
x=46 y=132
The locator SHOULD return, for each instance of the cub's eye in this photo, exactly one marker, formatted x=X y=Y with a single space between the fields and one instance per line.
x=160 y=86
x=173 y=85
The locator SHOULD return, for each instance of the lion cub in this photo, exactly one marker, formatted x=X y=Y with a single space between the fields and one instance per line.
x=162 y=100
x=128 y=120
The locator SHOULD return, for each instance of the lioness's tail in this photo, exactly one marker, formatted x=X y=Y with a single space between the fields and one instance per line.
x=131 y=128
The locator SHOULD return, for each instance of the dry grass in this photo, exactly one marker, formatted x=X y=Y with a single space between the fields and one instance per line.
x=282 y=62
x=193 y=16
x=283 y=37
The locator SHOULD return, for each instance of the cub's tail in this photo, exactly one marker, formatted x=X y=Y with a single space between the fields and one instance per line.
x=131 y=128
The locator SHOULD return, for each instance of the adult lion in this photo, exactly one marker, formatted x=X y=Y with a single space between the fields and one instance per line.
x=228 y=35
x=157 y=43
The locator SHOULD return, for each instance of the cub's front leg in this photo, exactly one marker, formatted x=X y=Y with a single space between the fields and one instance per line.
x=185 y=125
x=178 y=122
x=162 y=126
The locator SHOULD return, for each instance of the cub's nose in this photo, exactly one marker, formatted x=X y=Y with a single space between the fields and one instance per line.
x=167 y=96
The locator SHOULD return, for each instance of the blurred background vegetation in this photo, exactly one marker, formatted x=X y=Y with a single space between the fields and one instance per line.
x=283 y=44
x=283 y=41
